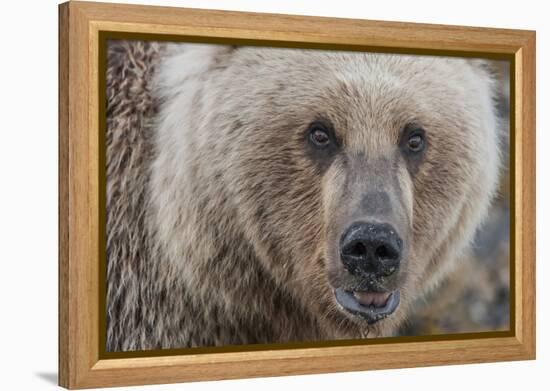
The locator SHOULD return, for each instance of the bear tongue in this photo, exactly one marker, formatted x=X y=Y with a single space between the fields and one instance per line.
x=375 y=299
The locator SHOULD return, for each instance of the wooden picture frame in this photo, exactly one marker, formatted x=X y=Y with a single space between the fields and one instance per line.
x=81 y=25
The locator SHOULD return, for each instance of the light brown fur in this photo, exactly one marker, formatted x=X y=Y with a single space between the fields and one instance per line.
x=221 y=228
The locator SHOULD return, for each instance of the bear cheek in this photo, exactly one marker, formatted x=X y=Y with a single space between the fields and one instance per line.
x=441 y=188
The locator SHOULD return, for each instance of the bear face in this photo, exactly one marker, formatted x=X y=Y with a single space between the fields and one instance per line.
x=357 y=179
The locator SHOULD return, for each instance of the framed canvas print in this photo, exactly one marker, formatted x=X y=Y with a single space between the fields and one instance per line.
x=248 y=195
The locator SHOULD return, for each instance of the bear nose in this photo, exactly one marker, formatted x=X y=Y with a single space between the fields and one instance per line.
x=371 y=248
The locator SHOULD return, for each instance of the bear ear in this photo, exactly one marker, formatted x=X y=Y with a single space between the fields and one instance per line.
x=485 y=74
x=198 y=56
x=484 y=68
x=497 y=76
x=221 y=56
x=184 y=61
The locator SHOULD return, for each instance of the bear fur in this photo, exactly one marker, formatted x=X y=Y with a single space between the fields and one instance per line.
x=220 y=226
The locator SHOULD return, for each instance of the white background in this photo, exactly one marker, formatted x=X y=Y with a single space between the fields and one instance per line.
x=28 y=193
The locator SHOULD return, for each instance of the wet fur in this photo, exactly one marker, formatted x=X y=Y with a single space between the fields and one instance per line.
x=217 y=219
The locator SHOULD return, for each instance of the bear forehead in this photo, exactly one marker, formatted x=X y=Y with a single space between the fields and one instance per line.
x=362 y=89
x=321 y=68
x=351 y=79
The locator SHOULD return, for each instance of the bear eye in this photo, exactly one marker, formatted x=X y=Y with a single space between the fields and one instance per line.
x=413 y=139
x=318 y=135
x=415 y=142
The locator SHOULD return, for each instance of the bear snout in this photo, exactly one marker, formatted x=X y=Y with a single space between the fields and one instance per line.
x=371 y=249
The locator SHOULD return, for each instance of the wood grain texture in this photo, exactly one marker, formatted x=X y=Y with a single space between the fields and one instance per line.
x=63 y=195
x=526 y=205
x=80 y=365
x=211 y=23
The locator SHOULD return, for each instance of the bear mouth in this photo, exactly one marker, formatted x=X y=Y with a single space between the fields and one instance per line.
x=370 y=306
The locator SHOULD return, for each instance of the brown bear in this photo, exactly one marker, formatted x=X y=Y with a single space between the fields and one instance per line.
x=267 y=195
